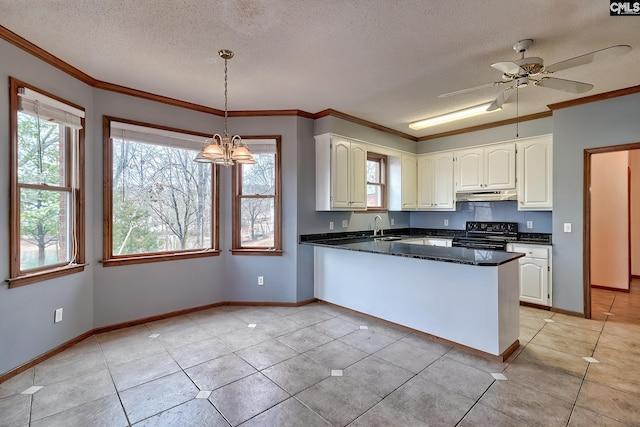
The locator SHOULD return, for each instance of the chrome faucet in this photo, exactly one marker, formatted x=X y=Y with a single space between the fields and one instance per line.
x=377 y=228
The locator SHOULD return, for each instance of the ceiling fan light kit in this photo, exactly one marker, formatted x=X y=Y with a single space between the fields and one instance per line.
x=453 y=116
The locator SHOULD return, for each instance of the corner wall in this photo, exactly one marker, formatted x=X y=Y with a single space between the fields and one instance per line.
x=604 y=123
x=26 y=313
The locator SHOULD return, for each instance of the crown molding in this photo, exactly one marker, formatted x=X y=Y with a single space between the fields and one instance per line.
x=154 y=97
x=340 y=115
x=487 y=126
x=594 y=98
x=45 y=56
x=50 y=59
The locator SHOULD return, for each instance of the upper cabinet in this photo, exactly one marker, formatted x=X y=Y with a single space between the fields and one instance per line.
x=340 y=174
x=492 y=167
x=409 y=176
x=402 y=182
x=535 y=184
x=435 y=181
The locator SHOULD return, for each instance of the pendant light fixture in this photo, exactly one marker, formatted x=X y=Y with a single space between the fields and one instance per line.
x=225 y=150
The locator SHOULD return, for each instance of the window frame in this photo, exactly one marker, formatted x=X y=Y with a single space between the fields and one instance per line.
x=18 y=277
x=383 y=161
x=236 y=188
x=111 y=260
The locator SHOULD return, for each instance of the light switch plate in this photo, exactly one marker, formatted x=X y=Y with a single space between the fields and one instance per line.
x=567 y=227
x=57 y=316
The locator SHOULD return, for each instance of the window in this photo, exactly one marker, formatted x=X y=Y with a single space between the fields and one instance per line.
x=46 y=186
x=158 y=203
x=257 y=200
x=376 y=182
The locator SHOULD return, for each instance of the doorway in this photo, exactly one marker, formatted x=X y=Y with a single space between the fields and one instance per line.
x=611 y=221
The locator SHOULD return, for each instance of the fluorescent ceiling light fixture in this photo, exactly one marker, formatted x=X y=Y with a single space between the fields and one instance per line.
x=453 y=116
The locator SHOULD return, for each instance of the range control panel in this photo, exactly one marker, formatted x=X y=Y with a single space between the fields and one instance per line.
x=492 y=228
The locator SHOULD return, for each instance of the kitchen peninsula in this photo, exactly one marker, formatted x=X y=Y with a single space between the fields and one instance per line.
x=466 y=296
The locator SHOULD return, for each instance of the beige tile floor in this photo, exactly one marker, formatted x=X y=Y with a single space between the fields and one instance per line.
x=320 y=365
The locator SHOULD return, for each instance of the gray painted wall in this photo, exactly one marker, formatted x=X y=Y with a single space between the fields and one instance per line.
x=604 y=123
x=26 y=313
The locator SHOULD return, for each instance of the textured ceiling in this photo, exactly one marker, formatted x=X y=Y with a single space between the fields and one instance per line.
x=380 y=60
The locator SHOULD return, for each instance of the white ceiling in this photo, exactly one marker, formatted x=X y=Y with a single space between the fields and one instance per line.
x=384 y=61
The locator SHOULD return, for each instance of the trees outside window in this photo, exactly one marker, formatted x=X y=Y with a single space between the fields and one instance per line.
x=376 y=182
x=47 y=195
x=161 y=204
x=257 y=202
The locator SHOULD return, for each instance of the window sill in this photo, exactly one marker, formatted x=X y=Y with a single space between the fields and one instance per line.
x=255 y=251
x=40 y=276
x=144 y=259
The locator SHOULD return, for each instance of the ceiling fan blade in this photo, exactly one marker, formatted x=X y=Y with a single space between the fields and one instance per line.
x=508 y=67
x=470 y=89
x=500 y=100
x=588 y=58
x=565 y=85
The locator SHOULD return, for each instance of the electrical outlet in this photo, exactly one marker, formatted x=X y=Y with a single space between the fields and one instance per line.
x=57 y=316
x=446 y=222
x=260 y=280
x=529 y=224
x=393 y=221
x=345 y=223
x=567 y=227
x=330 y=225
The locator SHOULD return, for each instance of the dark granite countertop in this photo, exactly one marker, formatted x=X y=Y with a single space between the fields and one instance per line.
x=365 y=243
x=528 y=238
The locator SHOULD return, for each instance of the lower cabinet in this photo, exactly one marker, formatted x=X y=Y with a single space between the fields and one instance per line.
x=535 y=273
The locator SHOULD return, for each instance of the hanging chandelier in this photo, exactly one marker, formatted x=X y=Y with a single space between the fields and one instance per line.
x=225 y=150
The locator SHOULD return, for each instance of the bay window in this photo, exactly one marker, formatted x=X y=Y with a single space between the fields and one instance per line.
x=158 y=203
x=257 y=200
x=46 y=186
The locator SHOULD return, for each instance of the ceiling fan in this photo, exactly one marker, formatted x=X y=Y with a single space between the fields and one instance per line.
x=524 y=71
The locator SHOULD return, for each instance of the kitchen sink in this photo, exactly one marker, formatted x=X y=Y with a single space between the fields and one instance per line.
x=388 y=238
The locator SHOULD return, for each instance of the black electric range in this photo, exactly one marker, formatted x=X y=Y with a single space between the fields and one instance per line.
x=487 y=235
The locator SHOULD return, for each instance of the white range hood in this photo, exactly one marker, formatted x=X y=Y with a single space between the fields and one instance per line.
x=486 y=196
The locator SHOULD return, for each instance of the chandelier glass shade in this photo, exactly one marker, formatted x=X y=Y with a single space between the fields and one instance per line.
x=223 y=149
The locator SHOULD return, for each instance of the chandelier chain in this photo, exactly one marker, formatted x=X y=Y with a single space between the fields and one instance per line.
x=226 y=129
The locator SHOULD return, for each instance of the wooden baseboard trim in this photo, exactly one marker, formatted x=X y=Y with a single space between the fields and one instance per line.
x=271 y=304
x=607 y=288
x=12 y=373
x=567 y=312
x=140 y=321
x=44 y=356
x=501 y=357
x=635 y=276
x=532 y=305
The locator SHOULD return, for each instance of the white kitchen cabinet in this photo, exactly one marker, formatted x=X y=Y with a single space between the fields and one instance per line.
x=341 y=182
x=535 y=185
x=409 y=175
x=491 y=167
x=535 y=273
x=435 y=181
